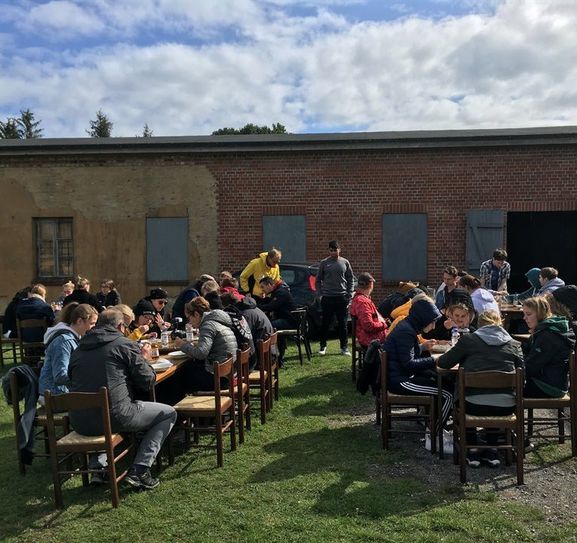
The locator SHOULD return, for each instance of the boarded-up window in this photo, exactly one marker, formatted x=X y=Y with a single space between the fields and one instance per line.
x=485 y=233
x=287 y=233
x=404 y=246
x=54 y=248
x=167 y=249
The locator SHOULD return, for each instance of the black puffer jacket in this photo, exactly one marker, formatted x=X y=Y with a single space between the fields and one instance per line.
x=104 y=357
x=547 y=355
x=280 y=302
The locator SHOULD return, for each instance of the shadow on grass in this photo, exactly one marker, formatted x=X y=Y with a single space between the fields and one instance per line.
x=359 y=489
x=328 y=395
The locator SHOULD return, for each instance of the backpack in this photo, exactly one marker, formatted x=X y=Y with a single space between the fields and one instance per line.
x=391 y=302
x=240 y=328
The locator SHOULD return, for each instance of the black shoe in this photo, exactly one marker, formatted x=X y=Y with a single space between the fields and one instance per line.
x=98 y=479
x=144 y=481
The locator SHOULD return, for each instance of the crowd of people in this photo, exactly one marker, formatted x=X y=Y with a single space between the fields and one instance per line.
x=95 y=340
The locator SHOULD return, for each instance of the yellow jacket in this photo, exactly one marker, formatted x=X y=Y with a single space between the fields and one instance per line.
x=400 y=313
x=258 y=268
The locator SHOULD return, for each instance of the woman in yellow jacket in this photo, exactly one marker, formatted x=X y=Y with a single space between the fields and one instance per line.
x=265 y=265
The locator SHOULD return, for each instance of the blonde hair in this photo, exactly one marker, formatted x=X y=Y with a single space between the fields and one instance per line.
x=209 y=286
x=74 y=311
x=540 y=305
x=125 y=310
x=81 y=282
x=488 y=318
x=39 y=290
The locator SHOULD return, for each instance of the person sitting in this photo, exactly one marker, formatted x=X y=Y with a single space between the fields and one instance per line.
x=67 y=290
x=230 y=284
x=257 y=320
x=549 y=280
x=265 y=264
x=494 y=273
x=563 y=302
x=10 y=326
x=59 y=341
x=450 y=276
x=370 y=324
x=81 y=294
x=142 y=320
x=187 y=294
x=108 y=295
x=533 y=277
x=132 y=330
x=482 y=299
x=410 y=367
x=105 y=358
x=490 y=348
x=158 y=297
x=224 y=274
x=547 y=351
x=35 y=307
x=216 y=342
x=210 y=291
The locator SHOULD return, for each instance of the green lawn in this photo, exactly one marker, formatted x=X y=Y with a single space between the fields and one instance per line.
x=314 y=472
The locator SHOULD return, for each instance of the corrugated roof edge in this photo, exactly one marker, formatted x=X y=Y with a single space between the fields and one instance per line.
x=561 y=135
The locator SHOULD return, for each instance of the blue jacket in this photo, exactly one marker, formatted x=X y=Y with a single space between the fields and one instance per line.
x=402 y=346
x=60 y=341
x=34 y=308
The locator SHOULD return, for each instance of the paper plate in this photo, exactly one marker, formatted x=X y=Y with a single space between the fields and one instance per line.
x=161 y=364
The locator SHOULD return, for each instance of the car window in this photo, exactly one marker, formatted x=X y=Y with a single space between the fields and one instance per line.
x=288 y=276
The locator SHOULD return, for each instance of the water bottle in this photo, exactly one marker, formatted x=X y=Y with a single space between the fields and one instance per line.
x=165 y=338
x=189 y=333
x=454 y=336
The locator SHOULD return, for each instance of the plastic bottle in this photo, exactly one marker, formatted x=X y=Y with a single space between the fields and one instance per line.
x=454 y=336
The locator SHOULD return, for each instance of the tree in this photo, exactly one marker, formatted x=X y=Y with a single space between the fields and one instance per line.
x=10 y=130
x=101 y=127
x=28 y=126
x=147 y=132
x=250 y=128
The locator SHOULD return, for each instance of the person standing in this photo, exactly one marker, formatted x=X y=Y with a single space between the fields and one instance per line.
x=335 y=284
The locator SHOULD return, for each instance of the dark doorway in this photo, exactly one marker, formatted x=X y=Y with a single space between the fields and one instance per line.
x=539 y=239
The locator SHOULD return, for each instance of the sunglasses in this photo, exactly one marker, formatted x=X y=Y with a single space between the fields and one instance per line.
x=163 y=302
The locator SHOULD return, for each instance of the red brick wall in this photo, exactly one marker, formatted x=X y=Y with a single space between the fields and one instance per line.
x=344 y=195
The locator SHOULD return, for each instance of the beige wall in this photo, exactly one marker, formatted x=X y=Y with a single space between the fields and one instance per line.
x=109 y=205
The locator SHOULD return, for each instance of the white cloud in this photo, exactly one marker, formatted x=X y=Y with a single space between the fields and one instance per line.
x=511 y=68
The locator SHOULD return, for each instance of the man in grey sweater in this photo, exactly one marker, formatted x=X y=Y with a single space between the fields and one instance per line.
x=335 y=284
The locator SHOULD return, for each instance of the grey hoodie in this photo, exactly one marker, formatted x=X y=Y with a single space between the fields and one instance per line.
x=551 y=285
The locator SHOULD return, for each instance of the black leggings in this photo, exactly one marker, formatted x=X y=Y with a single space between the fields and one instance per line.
x=486 y=411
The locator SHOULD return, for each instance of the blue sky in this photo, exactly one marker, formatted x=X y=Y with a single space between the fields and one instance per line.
x=188 y=67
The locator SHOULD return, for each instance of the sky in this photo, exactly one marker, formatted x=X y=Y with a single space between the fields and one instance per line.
x=188 y=67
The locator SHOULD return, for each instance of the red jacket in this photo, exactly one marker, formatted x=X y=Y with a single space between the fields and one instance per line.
x=370 y=325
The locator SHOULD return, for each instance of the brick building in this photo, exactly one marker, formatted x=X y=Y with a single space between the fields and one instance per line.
x=159 y=211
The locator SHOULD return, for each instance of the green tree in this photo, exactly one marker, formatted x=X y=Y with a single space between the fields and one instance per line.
x=250 y=128
x=28 y=126
x=10 y=130
x=101 y=127
x=147 y=132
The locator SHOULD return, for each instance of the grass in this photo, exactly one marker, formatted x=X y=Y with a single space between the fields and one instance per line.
x=314 y=472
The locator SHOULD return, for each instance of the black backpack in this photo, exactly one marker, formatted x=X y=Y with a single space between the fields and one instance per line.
x=240 y=328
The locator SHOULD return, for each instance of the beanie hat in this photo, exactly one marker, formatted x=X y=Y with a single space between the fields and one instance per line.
x=158 y=294
x=144 y=307
x=567 y=295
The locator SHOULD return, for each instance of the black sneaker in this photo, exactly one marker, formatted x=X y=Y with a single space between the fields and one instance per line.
x=100 y=478
x=144 y=481
x=491 y=457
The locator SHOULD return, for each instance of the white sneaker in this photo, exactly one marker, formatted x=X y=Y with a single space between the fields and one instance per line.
x=345 y=352
x=323 y=351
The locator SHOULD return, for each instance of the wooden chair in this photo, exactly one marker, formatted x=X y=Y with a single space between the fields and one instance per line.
x=567 y=402
x=389 y=401
x=40 y=424
x=211 y=414
x=259 y=379
x=31 y=352
x=358 y=352
x=7 y=345
x=512 y=424
x=242 y=392
x=299 y=334
x=73 y=443
x=273 y=380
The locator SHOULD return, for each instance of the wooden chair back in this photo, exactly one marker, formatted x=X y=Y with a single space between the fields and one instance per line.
x=243 y=391
x=31 y=352
x=274 y=370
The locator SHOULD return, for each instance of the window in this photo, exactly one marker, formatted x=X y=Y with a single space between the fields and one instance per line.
x=167 y=250
x=287 y=233
x=404 y=247
x=54 y=248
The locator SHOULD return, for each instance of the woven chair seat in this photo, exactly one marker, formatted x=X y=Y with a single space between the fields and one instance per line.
x=546 y=403
x=201 y=404
x=287 y=332
x=254 y=376
x=410 y=400
x=74 y=439
x=41 y=418
x=235 y=392
x=506 y=419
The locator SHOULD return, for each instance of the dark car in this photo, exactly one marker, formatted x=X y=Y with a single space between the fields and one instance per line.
x=301 y=278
